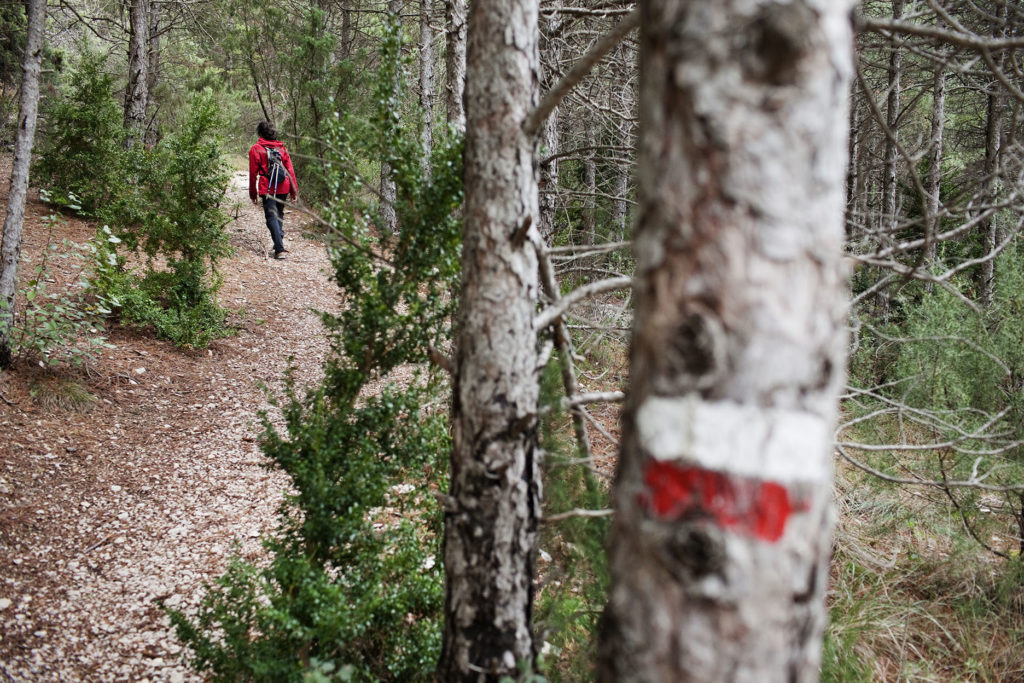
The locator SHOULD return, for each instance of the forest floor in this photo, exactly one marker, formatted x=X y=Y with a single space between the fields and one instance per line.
x=109 y=512
x=112 y=511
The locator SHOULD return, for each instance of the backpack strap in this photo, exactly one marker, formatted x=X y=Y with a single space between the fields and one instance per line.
x=266 y=160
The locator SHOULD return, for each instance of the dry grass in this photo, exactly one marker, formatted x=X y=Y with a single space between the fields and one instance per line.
x=58 y=392
x=913 y=597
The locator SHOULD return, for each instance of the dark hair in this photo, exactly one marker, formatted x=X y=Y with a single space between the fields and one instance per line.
x=266 y=130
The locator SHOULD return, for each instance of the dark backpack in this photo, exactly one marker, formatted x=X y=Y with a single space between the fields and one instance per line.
x=276 y=172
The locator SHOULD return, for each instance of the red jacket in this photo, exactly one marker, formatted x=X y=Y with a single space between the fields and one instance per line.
x=258 y=167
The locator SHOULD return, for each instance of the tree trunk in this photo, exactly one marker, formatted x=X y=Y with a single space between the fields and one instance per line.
x=589 y=185
x=935 y=165
x=153 y=71
x=15 y=215
x=136 y=94
x=388 y=191
x=993 y=139
x=426 y=81
x=491 y=519
x=455 y=62
x=852 y=174
x=345 y=39
x=721 y=541
x=551 y=48
x=626 y=100
x=892 y=117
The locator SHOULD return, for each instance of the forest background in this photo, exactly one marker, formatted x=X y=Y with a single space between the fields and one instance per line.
x=927 y=581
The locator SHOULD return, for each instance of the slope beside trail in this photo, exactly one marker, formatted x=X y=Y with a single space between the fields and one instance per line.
x=107 y=513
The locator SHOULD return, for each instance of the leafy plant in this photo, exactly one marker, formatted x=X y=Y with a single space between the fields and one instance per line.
x=176 y=216
x=81 y=158
x=57 y=328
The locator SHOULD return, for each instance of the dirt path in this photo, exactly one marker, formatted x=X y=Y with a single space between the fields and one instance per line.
x=140 y=499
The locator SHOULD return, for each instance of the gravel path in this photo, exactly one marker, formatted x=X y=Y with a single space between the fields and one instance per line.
x=142 y=498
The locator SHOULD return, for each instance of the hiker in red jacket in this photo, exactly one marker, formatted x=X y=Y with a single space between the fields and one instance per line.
x=272 y=179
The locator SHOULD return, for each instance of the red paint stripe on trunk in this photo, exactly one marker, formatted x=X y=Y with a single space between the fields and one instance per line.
x=749 y=506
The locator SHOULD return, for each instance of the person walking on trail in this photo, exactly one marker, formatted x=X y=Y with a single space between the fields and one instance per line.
x=272 y=179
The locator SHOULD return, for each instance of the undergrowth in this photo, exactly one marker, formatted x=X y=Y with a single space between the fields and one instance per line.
x=574 y=576
x=913 y=595
x=353 y=587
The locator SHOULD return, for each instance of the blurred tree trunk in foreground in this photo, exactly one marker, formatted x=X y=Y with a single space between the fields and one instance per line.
x=720 y=548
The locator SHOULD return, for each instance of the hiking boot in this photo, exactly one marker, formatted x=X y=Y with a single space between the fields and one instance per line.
x=280 y=255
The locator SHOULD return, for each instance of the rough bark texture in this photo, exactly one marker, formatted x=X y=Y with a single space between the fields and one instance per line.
x=455 y=62
x=892 y=119
x=153 y=70
x=720 y=548
x=491 y=520
x=589 y=186
x=623 y=98
x=550 y=45
x=993 y=139
x=426 y=82
x=388 y=191
x=15 y=215
x=935 y=165
x=136 y=94
x=853 y=173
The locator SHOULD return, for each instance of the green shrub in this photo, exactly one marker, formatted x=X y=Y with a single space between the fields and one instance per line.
x=81 y=157
x=176 y=216
x=57 y=328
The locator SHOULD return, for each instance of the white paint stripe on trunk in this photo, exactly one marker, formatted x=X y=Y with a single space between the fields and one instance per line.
x=770 y=444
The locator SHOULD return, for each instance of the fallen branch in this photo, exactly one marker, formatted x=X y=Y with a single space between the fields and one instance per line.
x=577 y=513
x=594 y=397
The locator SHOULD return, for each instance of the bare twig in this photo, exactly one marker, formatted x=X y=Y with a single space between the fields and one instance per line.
x=556 y=310
x=578 y=71
x=961 y=38
x=589 y=249
x=973 y=483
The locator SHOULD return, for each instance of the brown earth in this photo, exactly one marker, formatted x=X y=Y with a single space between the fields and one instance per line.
x=106 y=513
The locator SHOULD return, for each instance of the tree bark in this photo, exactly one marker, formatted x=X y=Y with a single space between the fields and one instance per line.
x=14 y=218
x=626 y=97
x=892 y=117
x=491 y=518
x=589 y=185
x=721 y=541
x=852 y=174
x=455 y=62
x=136 y=94
x=153 y=71
x=935 y=165
x=551 y=48
x=426 y=82
x=993 y=139
x=388 y=191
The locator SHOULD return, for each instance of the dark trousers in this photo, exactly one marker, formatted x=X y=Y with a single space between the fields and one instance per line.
x=273 y=210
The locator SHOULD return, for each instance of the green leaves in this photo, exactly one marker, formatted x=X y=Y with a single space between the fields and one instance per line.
x=54 y=329
x=173 y=210
x=81 y=155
